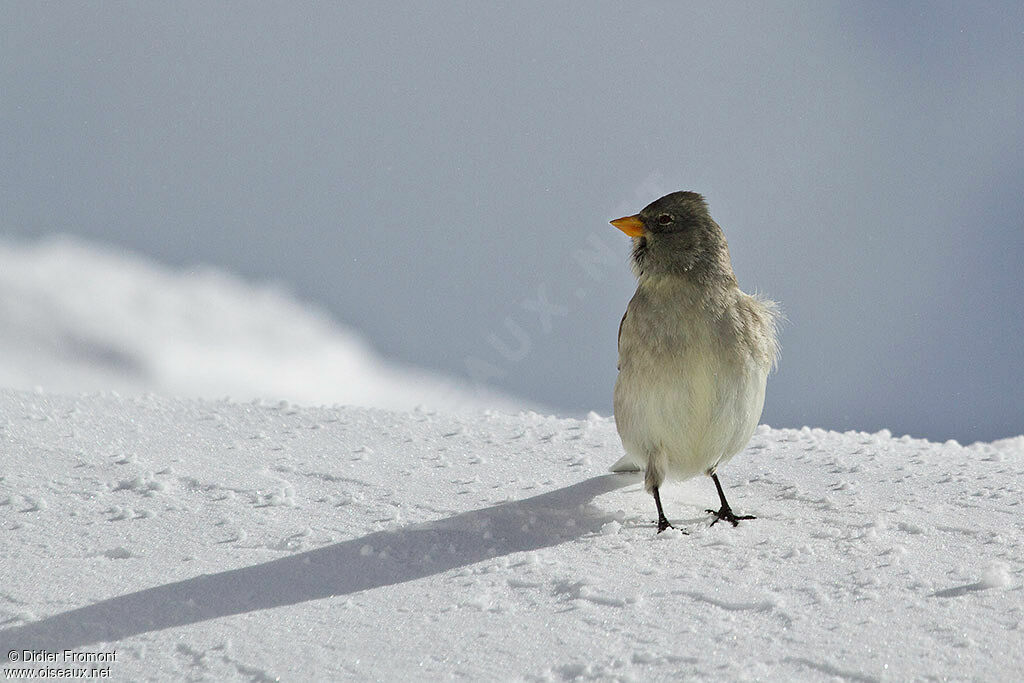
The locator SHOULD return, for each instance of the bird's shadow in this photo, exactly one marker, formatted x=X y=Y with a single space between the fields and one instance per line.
x=379 y=559
x=957 y=591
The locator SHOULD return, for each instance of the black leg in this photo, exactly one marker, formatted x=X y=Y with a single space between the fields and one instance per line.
x=726 y=512
x=662 y=519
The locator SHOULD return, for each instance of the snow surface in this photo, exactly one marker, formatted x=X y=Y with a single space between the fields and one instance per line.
x=234 y=541
x=77 y=317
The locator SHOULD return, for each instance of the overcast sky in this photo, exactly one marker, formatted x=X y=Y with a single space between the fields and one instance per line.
x=441 y=176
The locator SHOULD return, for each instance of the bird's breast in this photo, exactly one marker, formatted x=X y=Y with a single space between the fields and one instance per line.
x=683 y=387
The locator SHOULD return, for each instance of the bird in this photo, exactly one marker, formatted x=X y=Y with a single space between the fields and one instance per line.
x=694 y=351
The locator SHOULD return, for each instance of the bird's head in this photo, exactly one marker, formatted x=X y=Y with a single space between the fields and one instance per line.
x=675 y=235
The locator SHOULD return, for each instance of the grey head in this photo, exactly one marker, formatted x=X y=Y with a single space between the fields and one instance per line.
x=675 y=235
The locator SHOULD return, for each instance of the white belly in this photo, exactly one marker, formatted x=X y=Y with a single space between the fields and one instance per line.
x=684 y=406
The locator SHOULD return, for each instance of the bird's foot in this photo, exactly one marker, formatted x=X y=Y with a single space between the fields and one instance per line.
x=728 y=515
x=663 y=524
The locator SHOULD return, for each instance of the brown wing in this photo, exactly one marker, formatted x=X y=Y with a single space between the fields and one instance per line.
x=618 y=340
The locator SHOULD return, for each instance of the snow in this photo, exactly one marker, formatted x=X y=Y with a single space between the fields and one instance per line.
x=78 y=317
x=255 y=538
x=222 y=540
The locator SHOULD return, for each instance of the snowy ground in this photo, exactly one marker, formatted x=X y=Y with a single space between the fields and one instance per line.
x=221 y=541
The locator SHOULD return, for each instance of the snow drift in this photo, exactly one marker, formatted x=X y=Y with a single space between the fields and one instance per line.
x=75 y=317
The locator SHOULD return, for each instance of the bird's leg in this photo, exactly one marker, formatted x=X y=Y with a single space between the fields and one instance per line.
x=725 y=512
x=662 y=519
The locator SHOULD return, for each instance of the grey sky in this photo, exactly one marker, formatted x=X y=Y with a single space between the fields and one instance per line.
x=423 y=169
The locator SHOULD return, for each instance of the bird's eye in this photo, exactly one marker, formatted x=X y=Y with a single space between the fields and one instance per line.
x=664 y=219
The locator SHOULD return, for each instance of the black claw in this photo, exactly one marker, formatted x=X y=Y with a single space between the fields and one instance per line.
x=662 y=519
x=728 y=515
x=725 y=512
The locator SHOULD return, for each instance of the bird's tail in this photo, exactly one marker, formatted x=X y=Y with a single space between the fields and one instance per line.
x=625 y=464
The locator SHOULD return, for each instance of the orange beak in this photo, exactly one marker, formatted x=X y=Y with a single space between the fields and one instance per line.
x=631 y=225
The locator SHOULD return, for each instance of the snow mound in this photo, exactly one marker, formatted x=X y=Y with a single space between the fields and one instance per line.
x=224 y=541
x=78 y=318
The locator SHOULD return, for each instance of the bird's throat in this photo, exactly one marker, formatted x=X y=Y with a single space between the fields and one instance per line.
x=638 y=259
